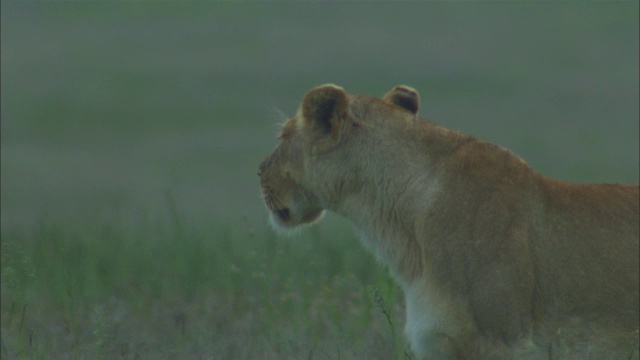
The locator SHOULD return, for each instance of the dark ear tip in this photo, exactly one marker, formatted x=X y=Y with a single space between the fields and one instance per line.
x=405 y=97
x=405 y=89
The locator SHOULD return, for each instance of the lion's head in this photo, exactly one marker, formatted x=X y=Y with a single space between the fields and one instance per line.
x=317 y=162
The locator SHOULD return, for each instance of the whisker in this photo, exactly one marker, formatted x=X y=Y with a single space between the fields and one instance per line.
x=278 y=114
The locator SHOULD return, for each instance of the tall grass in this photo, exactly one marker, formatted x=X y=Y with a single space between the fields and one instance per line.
x=175 y=289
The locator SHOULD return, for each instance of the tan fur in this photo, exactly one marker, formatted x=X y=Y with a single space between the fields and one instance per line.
x=496 y=261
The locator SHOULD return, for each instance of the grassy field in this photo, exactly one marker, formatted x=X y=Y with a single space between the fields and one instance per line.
x=131 y=222
x=170 y=289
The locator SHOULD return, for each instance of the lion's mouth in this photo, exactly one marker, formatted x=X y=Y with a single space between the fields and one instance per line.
x=283 y=214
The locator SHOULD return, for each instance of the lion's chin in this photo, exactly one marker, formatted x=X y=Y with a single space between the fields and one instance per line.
x=285 y=219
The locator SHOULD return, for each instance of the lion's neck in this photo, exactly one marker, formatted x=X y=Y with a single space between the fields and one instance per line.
x=387 y=210
x=394 y=189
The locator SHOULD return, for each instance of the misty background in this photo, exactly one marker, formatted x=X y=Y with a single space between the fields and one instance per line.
x=106 y=106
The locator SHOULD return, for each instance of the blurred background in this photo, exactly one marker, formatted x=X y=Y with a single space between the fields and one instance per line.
x=117 y=115
x=107 y=105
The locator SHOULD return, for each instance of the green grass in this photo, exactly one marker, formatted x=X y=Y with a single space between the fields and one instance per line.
x=171 y=289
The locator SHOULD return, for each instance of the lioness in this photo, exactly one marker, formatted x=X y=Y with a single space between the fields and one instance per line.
x=496 y=260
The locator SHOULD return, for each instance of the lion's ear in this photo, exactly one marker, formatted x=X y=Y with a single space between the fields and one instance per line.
x=405 y=97
x=324 y=108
